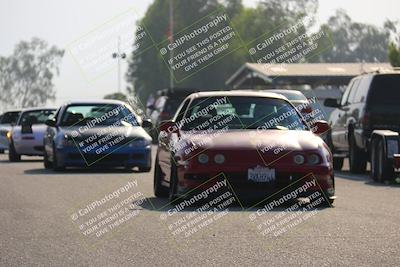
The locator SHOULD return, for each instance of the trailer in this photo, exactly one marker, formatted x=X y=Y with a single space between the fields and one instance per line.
x=384 y=155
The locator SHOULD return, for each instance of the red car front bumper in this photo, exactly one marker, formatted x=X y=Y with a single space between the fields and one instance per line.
x=287 y=176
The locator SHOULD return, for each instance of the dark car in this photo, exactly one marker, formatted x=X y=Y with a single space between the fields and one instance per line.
x=370 y=103
x=104 y=133
x=166 y=104
x=257 y=139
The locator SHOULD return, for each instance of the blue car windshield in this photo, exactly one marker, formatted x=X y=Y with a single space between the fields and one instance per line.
x=97 y=115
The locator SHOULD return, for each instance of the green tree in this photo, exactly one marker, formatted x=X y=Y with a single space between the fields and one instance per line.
x=394 y=55
x=278 y=11
x=393 y=27
x=268 y=17
x=116 y=96
x=233 y=7
x=26 y=78
x=353 y=41
x=147 y=72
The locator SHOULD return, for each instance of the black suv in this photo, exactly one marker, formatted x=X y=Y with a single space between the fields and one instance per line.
x=370 y=102
x=165 y=106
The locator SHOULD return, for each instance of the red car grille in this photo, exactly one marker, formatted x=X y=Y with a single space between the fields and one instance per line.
x=249 y=157
x=283 y=184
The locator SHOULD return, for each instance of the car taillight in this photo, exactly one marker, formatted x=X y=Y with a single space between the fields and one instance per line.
x=396 y=159
x=365 y=120
x=307 y=109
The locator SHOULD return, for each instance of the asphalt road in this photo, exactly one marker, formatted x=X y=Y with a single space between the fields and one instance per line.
x=38 y=227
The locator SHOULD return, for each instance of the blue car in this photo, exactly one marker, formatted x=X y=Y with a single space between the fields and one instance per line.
x=102 y=133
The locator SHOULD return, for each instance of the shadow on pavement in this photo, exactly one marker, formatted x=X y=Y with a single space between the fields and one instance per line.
x=6 y=161
x=164 y=205
x=364 y=178
x=43 y=171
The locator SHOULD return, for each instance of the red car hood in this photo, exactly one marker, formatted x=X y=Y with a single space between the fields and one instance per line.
x=253 y=139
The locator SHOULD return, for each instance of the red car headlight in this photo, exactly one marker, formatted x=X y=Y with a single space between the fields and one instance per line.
x=203 y=158
x=299 y=159
x=219 y=159
x=313 y=159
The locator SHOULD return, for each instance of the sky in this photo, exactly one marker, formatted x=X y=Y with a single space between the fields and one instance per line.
x=66 y=24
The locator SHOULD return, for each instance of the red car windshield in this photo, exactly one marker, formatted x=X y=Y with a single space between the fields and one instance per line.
x=238 y=112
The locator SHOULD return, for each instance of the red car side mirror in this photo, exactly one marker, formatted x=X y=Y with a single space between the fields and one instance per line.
x=320 y=127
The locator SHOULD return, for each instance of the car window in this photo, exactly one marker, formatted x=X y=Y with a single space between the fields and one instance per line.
x=35 y=116
x=10 y=117
x=97 y=115
x=385 y=90
x=56 y=115
x=362 y=90
x=239 y=112
x=181 y=110
x=345 y=96
x=353 y=91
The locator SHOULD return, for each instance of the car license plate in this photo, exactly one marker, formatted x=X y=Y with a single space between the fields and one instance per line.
x=261 y=174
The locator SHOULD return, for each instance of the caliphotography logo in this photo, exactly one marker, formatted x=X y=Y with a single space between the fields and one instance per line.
x=106 y=215
x=198 y=210
x=288 y=44
x=290 y=209
x=200 y=45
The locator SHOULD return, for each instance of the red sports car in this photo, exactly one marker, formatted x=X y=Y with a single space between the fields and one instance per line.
x=257 y=140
